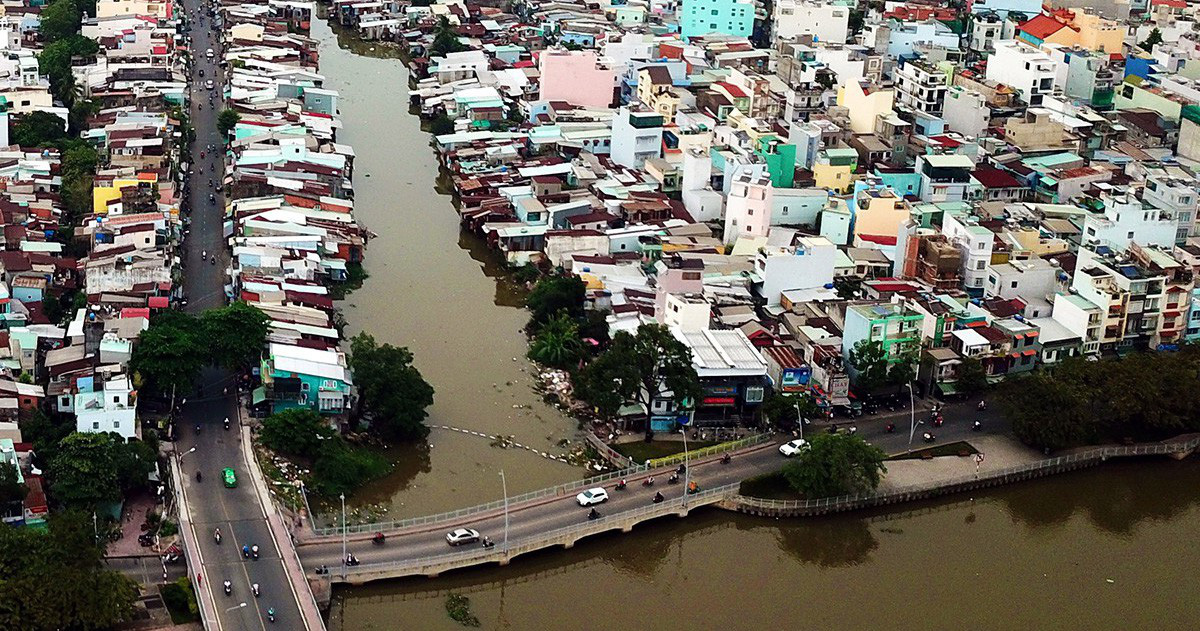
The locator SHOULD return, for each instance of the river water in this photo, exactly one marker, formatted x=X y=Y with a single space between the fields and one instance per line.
x=1038 y=555
x=441 y=294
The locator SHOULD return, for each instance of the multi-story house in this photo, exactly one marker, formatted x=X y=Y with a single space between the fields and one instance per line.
x=975 y=242
x=1177 y=196
x=1122 y=219
x=945 y=178
x=302 y=377
x=825 y=21
x=1130 y=296
x=895 y=327
x=729 y=17
x=1026 y=69
x=636 y=137
x=920 y=87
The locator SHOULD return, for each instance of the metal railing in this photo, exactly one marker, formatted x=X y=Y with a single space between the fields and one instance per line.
x=498 y=505
x=1097 y=454
x=545 y=539
x=694 y=454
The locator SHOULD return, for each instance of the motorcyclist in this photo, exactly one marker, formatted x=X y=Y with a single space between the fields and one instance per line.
x=254 y=551
x=217 y=534
x=246 y=551
x=254 y=588
x=228 y=588
x=658 y=497
x=593 y=514
x=198 y=476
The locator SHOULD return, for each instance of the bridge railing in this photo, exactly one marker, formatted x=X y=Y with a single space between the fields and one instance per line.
x=497 y=505
x=1089 y=455
x=479 y=554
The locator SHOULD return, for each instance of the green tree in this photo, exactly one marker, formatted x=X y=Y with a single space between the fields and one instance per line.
x=298 y=432
x=235 y=334
x=56 y=579
x=835 y=464
x=59 y=19
x=557 y=344
x=445 y=40
x=442 y=125
x=134 y=460
x=780 y=409
x=649 y=366
x=1152 y=40
x=871 y=365
x=169 y=354
x=340 y=468
x=392 y=393
x=227 y=120
x=11 y=489
x=904 y=369
x=38 y=129
x=972 y=379
x=45 y=433
x=83 y=471
x=554 y=294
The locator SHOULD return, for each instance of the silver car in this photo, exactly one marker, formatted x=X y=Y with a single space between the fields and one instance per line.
x=460 y=536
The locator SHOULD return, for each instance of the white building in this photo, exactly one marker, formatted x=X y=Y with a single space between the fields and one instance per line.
x=1026 y=69
x=966 y=112
x=109 y=410
x=701 y=201
x=1030 y=280
x=825 y=22
x=975 y=242
x=1177 y=196
x=636 y=137
x=803 y=263
x=920 y=87
x=1126 y=219
x=686 y=312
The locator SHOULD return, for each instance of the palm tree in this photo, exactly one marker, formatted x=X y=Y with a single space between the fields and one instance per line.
x=557 y=344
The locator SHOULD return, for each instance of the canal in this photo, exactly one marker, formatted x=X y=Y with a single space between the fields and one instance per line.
x=441 y=294
x=1106 y=548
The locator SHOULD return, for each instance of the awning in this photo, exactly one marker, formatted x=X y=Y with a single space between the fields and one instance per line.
x=947 y=388
x=259 y=395
x=1029 y=353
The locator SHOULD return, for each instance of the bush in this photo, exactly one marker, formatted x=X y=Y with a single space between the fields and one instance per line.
x=180 y=599
x=459 y=608
x=341 y=468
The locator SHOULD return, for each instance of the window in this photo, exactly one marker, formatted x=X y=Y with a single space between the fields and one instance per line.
x=713 y=25
x=66 y=402
x=754 y=394
x=1013 y=284
x=116 y=399
x=116 y=424
x=750 y=212
x=980 y=265
x=303 y=387
x=714 y=11
x=95 y=424
x=1129 y=235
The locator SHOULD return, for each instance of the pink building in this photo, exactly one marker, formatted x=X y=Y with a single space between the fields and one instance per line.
x=748 y=208
x=575 y=77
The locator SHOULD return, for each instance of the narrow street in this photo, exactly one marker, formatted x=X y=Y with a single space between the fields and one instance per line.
x=235 y=511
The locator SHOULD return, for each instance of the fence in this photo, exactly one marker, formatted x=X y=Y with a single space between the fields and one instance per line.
x=1032 y=469
x=497 y=505
x=557 y=536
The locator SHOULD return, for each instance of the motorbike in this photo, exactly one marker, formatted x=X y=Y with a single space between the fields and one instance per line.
x=254 y=552
x=213 y=261
x=890 y=428
x=146 y=540
x=674 y=479
x=199 y=476
x=621 y=485
x=658 y=497
x=378 y=539
x=226 y=418
x=938 y=420
x=217 y=537
x=929 y=438
x=726 y=459
x=982 y=406
x=977 y=426
x=594 y=514
x=351 y=560
x=228 y=588
x=488 y=543
x=648 y=481
x=254 y=588
x=271 y=614
x=245 y=552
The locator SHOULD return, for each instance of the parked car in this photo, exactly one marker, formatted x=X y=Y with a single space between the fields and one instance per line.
x=460 y=536
x=230 y=478
x=592 y=496
x=793 y=447
x=209 y=84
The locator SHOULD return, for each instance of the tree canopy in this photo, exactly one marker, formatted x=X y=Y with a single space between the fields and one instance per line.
x=835 y=464
x=780 y=409
x=59 y=19
x=227 y=120
x=56 y=579
x=92 y=468
x=874 y=371
x=555 y=294
x=1144 y=396
x=557 y=343
x=38 y=129
x=972 y=379
x=392 y=393
x=336 y=466
x=641 y=368
x=177 y=345
x=445 y=40
x=235 y=334
x=296 y=432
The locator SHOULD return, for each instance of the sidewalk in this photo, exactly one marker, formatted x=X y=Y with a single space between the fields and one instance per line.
x=999 y=452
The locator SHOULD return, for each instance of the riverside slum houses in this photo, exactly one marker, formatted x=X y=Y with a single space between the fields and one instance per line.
x=1002 y=184
x=90 y=191
x=295 y=240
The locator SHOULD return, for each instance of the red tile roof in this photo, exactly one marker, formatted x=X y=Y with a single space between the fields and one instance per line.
x=1041 y=26
x=995 y=178
x=732 y=90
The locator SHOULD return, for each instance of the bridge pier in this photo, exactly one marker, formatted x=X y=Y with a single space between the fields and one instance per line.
x=627 y=528
x=567 y=545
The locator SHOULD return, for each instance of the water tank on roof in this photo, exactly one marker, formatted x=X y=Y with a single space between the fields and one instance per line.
x=976 y=301
x=1019 y=318
x=587 y=270
x=828 y=285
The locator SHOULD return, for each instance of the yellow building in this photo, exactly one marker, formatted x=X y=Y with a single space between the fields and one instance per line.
x=105 y=193
x=834 y=169
x=865 y=102
x=879 y=212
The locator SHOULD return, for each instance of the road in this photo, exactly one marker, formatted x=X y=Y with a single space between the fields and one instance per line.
x=539 y=516
x=237 y=511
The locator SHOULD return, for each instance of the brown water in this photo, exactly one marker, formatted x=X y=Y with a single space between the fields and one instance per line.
x=1035 y=556
x=442 y=294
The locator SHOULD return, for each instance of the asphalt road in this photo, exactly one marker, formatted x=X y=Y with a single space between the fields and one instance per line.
x=547 y=514
x=237 y=511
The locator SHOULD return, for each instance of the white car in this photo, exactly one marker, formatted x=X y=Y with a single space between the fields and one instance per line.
x=793 y=447
x=209 y=84
x=208 y=53
x=592 y=496
x=462 y=535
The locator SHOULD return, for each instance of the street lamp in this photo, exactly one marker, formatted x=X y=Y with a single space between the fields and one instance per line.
x=504 y=487
x=912 y=414
x=687 y=469
x=799 y=421
x=237 y=606
x=186 y=453
x=342 y=496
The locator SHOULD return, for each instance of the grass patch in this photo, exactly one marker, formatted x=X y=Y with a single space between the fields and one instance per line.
x=180 y=600
x=459 y=609
x=959 y=448
x=769 y=486
x=641 y=451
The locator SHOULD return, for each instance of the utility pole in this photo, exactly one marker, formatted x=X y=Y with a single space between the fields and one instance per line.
x=342 y=496
x=504 y=487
